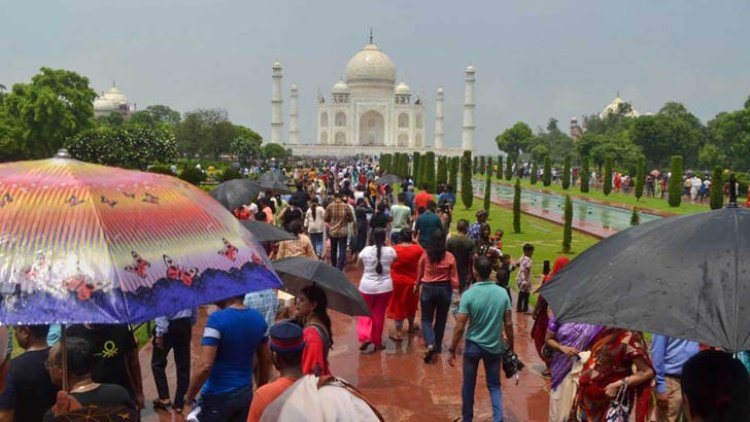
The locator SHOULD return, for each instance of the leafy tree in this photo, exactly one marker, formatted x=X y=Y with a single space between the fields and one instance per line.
x=585 y=174
x=547 y=177
x=608 y=176
x=640 y=177
x=429 y=171
x=193 y=176
x=128 y=147
x=246 y=146
x=55 y=106
x=635 y=217
x=467 y=193
x=672 y=130
x=442 y=171
x=730 y=132
x=675 y=182
x=163 y=114
x=488 y=186
x=517 y=206
x=717 y=183
x=499 y=173
x=275 y=151
x=539 y=152
x=534 y=173
x=566 y=173
x=205 y=132
x=568 y=228
x=711 y=156
x=454 y=167
x=114 y=119
x=514 y=139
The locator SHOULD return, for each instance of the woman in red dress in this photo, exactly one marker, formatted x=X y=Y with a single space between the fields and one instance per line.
x=404 y=302
x=541 y=317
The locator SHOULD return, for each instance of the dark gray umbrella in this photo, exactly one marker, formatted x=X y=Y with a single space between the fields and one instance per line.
x=686 y=277
x=298 y=272
x=389 y=179
x=235 y=193
x=274 y=182
x=264 y=232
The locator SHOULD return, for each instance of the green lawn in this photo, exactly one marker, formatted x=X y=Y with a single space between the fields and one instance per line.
x=545 y=236
x=616 y=199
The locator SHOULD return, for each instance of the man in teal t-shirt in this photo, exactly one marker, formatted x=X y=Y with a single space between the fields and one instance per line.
x=426 y=225
x=485 y=306
x=401 y=216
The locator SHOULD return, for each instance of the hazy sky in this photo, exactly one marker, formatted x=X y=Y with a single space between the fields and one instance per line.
x=534 y=58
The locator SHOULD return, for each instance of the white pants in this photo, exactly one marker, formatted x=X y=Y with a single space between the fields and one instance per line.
x=561 y=398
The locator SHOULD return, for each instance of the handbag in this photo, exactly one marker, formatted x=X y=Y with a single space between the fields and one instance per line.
x=621 y=406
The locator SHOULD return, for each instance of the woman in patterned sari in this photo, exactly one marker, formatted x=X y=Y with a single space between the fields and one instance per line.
x=614 y=351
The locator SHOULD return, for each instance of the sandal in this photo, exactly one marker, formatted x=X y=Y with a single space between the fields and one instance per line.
x=364 y=346
x=428 y=355
x=162 y=405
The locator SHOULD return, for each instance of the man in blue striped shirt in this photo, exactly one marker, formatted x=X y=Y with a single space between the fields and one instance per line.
x=669 y=355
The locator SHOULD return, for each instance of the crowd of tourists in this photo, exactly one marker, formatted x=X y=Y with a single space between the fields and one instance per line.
x=263 y=361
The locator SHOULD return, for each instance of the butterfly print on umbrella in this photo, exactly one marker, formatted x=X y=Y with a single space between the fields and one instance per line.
x=150 y=198
x=230 y=251
x=73 y=201
x=176 y=273
x=6 y=199
x=139 y=267
x=82 y=285
x=108 y=201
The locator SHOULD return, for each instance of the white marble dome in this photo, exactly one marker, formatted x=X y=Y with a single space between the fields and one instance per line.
x=370 y=65
x=614 y=106
x=340 y=88
x=112 y=100
x=403 y=89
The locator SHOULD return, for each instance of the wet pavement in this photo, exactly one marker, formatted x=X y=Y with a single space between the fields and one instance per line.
x=400 y=384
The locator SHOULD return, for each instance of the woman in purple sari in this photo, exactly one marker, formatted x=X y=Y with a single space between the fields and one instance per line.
x=566 y=341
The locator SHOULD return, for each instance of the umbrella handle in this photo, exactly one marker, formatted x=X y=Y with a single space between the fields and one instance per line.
x=64 y=357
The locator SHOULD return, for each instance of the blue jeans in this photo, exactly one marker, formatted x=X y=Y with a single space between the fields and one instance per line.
x=492 y=362
x=317 y=241
x=435 y=300
x=229 y=407
x=395 y=237
x=338 y=252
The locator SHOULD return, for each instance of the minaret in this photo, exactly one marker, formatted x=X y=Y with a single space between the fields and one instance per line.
x=439 y=120
x=293 y=116
x=467 y=138
x=277 y=122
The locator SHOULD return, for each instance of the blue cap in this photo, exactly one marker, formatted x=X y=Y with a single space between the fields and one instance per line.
x=286 y=337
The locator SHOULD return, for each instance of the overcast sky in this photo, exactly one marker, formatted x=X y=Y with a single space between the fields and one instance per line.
x=535 y=59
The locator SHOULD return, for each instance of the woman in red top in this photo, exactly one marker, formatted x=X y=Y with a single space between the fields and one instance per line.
x=438 y=276
x=404 y=300
x=312 y=314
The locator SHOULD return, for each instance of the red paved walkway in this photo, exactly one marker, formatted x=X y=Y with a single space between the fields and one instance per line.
x=403 y=387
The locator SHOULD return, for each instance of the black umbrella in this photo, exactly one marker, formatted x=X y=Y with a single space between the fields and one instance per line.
x=686 y=277
x=264 y=232
x=274 y=182
x=235 y=193
x=389 y=179
x=298 y=272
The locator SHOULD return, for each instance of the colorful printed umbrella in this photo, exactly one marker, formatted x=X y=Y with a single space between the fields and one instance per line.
x=81 y=242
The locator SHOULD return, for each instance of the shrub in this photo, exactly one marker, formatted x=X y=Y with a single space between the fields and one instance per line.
x=608 y=175
x=230 y=174
x=675 y=182
x=482 y=165
x=442 y=171
x=499 y=173
x=429 y=170
x=416 y=161
x=635 y=218
x=568 y=229
x=385 y=162
x=547 y=180
x=467 y=195
x=585 y=174
x=566 y=173
x=161 y=169
x=475 y=166
x=193 y=175
x=454 y=165
x=508 y=168
x=488 y=185
x=717 y=189
x=640 y=177
x=517 y=206
x=534 y=174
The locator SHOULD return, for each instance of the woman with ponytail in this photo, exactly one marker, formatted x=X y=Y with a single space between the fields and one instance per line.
x=376 y=287
x=312 y=315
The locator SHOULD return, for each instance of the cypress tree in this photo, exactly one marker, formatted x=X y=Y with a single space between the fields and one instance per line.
x=454 y=165
x=482 y=165
x=566 y=173
x=717 y=193
x=608 y=175
x=442 y=170
x=675 y=182
x=585 y=174
x=475 y=166
x=508 y=168
x=534 y=174
x=385 y=162
x=568 y=229
x=429 y=171
x=517 y=206
x=488 y=185
x=499 y=174
x=547 y=171
x=467 y=194
x=635 y=218
x=416 y=161
x=640 y=177
x=423 y=172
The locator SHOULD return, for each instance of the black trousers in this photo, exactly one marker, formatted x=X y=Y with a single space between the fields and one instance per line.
x=523 y=302
x=177 y=339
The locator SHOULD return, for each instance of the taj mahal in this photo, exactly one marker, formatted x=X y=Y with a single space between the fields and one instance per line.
x=368 y=112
